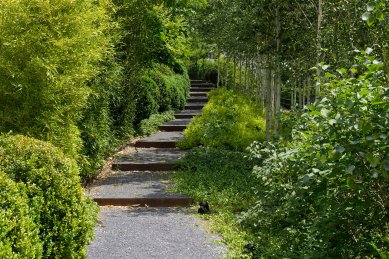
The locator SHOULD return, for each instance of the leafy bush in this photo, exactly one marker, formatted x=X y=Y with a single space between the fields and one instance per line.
x=99 y=131
x=325 y=194
x=48 y=52
x=148 y=100
x=64 y=217
x=18 y=232
x=174 y=88
x=150 y=125
x=229 y=120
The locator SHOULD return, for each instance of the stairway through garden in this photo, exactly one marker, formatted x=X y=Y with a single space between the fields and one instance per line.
x=140 y=218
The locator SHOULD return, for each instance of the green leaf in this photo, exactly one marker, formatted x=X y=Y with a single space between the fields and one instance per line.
x=366 y=16
x=370 y=7
x=325 y=112
x=340 y=149
x=368 y=51
x=329 y=75
x=350 y=169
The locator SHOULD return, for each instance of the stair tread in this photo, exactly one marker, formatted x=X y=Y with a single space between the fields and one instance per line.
x=152 y=155
x=163 y=136
x=132 y=185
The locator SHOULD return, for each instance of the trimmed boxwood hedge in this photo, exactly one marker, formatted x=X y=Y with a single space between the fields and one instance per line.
x=18 y=231
x=64 y=217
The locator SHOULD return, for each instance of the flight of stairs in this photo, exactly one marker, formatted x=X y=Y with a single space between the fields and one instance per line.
x=142 y=176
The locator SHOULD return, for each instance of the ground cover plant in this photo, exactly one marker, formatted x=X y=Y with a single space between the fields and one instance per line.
x=229 y=120
x=224 y=179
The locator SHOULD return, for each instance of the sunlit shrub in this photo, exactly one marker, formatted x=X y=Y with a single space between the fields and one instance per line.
x=18 y=231
x=64 y=217
x=229 y=120
x=48 y=52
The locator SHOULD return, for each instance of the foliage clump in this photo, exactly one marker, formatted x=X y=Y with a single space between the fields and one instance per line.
x=224 y=179
x=64 y=217
x=150 y=125
x=48 y=52
x=229 y=120
x=325 y=194
x=18 y=231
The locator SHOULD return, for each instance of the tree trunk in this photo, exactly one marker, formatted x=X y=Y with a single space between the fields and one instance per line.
x=218 y=69
x=319 y=23
x=269 y=105
x=277 y=81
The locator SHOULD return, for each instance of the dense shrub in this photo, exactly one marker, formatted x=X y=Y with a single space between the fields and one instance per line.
x=99 y=131
x=64 y=217
x=148 y=100
x=18 y=232
x=230 y=120
x=325 y=194
x=174 y=88
x=48 y=51
x=205 y=69
x=150 y=125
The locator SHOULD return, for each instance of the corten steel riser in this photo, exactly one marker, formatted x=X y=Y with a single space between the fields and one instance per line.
x=144 y=202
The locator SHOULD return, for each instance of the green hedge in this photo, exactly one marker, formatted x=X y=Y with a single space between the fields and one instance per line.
x=230 y=120
x=64 y=217
x=18 y=231
x=174 y=88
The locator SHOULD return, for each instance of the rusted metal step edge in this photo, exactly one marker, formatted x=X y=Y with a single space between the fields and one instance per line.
x=172 y=127
x=194 y=107
x=145 y=202
x=202 y=84
x=197 y=99
x=186 y=116
x=155 y=144
x=144 y=166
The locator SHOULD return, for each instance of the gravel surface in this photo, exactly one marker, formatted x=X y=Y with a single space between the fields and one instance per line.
x=134 y=185
x=152 y=155
x=153 y=233
x=164 y=136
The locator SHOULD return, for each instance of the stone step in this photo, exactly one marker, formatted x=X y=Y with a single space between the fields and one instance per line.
x=150 y=159
x=194 y=94
x=187 y=114
x=147 y=189
x=197 y=99
x=200 y=89
x=196 y=84
x=160 y=140
x=195 y=106
x=197 y=81
x=175 y=125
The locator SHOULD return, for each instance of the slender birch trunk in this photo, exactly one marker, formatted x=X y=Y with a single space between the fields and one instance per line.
x=218 y=69
x=319 y=23
x=277 y=81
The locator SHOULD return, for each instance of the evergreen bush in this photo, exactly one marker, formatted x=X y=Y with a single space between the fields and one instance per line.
x=64 y=217
x=18 y=231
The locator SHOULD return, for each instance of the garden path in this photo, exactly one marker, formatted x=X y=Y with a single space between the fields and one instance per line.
x=140 y=218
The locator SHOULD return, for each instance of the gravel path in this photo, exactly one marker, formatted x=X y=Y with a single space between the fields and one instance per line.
x=152 y=233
